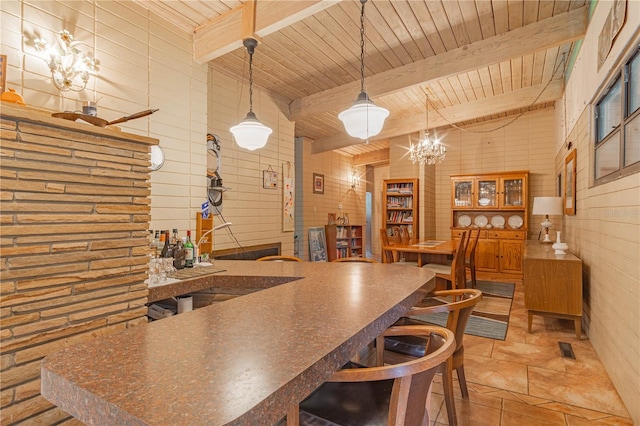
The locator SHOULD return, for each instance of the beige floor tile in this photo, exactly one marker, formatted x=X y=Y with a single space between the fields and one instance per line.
x=481 y=346
x=607 y=421
x=593 y=393
x=589 y=415
x=518 y=397
x=496 y=373
x=533 y=412
x=515 y=419
x=470 y=414
x=535 y=355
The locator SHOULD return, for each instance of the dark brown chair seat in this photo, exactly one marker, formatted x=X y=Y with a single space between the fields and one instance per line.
x=383 y=395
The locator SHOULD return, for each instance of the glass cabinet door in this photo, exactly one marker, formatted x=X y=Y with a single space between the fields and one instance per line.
x=513 y=193
x=462 y=193
x=487 y=193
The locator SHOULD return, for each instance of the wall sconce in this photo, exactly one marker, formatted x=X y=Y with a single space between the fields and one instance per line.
x=70 y=68
x=355 y=179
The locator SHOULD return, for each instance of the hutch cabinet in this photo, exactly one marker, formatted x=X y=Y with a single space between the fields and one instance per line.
x=496 y=203
x=400 y=205
x=344 y=241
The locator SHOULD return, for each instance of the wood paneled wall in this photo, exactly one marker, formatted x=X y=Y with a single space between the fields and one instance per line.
x=75 y=212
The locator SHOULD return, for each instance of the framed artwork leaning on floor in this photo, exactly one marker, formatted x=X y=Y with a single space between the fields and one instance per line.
x=317 y=245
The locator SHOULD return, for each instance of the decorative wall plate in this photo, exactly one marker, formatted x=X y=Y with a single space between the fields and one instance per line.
x=464 y=221
x=497 y=221
x=481 y=221
x=515 y=221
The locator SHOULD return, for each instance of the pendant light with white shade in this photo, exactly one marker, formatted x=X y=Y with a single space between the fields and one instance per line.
x=364 y=119
x=250 y=133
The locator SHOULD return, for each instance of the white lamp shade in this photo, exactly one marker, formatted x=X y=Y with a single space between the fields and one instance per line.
x=551 y=206
x=250 y=133
x=364 y=119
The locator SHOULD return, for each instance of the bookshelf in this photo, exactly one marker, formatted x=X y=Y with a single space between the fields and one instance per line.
x=344 y=241
x=400 y=206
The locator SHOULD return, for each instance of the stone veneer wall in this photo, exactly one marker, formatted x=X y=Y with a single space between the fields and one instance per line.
x=75 y=211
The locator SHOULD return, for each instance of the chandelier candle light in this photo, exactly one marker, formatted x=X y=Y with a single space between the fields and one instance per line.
x=70 y=68
x=250 y=133
x=364 y=119
x=428 y=150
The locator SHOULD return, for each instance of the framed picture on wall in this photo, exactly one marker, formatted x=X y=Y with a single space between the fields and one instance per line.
x=570 y=184
x=317 y=245
x=318 y=183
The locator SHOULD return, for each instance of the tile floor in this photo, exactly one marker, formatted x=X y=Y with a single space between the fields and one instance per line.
x=524 y=380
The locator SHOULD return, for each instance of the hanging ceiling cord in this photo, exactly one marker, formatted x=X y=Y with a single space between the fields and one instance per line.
x=562 y=61
x=241 y=82
x=366 y=142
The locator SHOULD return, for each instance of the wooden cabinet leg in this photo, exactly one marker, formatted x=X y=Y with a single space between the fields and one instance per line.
x=578 y=323
x=529 y=320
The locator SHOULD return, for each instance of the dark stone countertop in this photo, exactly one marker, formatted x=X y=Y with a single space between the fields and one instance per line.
x=244 y=361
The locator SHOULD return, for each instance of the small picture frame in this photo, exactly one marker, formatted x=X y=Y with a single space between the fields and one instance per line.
x=331 y=219
x=570 y=184
x=269 y=179
x=318 y=183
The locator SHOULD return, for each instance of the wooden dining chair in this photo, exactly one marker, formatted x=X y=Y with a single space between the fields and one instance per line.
x=458 y=304
x=384 y=394
x=356 y=260
x=456 y=272
x=470 y=257
x=388 y=256
x=279 y=258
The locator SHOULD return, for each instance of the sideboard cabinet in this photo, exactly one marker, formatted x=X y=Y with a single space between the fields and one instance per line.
x=552 y=284
x=497 y=204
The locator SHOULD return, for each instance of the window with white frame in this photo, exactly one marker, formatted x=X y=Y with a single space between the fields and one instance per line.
x=617 y=118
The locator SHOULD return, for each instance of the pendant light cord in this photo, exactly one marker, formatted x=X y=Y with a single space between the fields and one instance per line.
x=362 y=46
x=250 y=79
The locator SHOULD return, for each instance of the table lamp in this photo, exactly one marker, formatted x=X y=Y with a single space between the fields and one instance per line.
x=547 y=206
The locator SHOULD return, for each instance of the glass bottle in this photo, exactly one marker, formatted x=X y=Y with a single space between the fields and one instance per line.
x=188 y=251
x=166 y=249
x=179 y=255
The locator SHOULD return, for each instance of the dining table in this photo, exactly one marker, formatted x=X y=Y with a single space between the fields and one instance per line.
x=428 y=251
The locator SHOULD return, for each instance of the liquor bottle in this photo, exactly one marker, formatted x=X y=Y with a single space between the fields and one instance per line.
x=166 y=249
x=174 y=238
x=178 y=255
x=188 y=251
x=160 y=245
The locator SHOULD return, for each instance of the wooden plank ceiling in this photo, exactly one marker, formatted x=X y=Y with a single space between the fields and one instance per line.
x=476 y=60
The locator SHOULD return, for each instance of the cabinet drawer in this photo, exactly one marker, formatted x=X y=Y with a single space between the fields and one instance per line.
x=506 y=235
x=457 y=233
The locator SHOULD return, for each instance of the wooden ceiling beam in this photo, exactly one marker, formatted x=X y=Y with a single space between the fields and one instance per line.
x=397 y=126
x=536 y=37
x=379 y=156
x=256 y=19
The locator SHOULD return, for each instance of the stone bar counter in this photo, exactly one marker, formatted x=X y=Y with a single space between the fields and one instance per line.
x=245 y=361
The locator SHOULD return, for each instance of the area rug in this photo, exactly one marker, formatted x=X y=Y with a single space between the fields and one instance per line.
x=490 y=317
